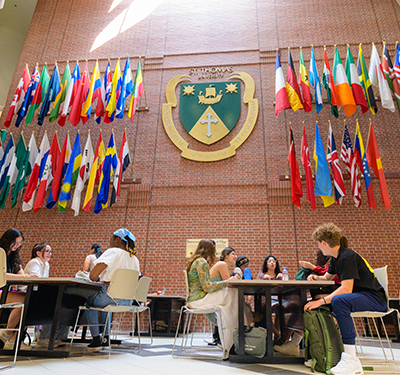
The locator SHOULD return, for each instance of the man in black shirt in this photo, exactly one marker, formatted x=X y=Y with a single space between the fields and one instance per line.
x=359 y=291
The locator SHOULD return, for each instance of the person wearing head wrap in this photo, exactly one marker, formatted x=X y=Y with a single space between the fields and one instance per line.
x=121 y=254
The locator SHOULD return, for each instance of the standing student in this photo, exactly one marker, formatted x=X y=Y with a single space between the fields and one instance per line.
x=359 y=291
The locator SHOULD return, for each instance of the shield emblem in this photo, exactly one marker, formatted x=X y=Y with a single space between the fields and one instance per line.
x=209 y=111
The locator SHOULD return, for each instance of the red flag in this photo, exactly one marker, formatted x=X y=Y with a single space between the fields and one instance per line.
x=48 y=173
x=295 y=181
x=80 y=97
x=18 y=96
x=305 y=160
x=375 y=162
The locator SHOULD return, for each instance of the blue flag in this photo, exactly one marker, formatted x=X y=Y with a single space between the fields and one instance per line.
x=315 y=82
x=126 y=89
x=6 y=160
x=51 y=94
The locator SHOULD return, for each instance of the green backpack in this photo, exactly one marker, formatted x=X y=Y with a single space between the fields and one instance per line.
x=323 y=343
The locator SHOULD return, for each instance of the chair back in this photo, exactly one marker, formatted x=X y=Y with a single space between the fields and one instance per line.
x=382 y=276
x=3 y=267
x=123 y=284
x=143 y=289
x=186 y=283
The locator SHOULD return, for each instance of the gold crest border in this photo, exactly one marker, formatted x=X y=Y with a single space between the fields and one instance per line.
x=247 y=128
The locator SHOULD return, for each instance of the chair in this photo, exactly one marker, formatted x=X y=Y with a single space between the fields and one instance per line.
x=123 y=285
x=382 y=276
x=3 y=281
x=190 y=312
x=141 y=296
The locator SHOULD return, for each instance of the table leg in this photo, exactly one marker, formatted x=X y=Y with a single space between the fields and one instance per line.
x=240 y=321
x=268 y=318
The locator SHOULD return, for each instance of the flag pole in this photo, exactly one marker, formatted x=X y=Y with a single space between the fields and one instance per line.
x=288 y=166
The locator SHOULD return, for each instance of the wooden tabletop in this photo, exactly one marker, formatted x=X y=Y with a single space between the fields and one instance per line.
x=298 y=283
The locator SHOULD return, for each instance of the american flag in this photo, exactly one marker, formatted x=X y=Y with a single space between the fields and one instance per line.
x=333 y=161
x=349 y=161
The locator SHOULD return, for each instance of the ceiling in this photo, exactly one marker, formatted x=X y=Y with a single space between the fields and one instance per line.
x=15 y=18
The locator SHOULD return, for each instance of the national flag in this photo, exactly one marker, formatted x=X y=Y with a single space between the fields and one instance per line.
x=70 y=95
x=6 y=160
x=28 y=96
x=51 y=94
x=333 y=160
x=323 y=183
x=36 y=175
x=295 y=180
x=60 y=98
x=71 y=174
x=105 y=88
x=352 y=77
x=109 y=166
x=374 y=160
x=397 y=63
x=26 y=170
x=365 y=82
x=362 y=163
x=18 y=96
x=378 y=79
x=17 y=161
x=124 y=160
x=347 y=157
x=79 y=98
x=343 y=90
x=59 y=172
x=84 y=170
x=138 y=90
x=329 y=84
x=281 y=98
x=94 y=172
x=126 y=89
x=108 y=89
x=48 y=173
x=304 y=83
x=305 y=160
x=93 y=93
x=390 y=75
x=39 y=94
x=292 y=88
x=115 y=92
x=315 y=82
x=3 y=135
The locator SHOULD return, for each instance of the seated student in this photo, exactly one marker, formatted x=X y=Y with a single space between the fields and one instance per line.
x=121 y=254
x=40 y=267
x=204 y=293
x=11 y=241
x=94 y=253
x=359 y=291
x=242 y=263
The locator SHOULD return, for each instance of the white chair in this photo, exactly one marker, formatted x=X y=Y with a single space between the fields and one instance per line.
x=382 y=276
x=141 y=296
x=123 y=285
x=3 y=281
x=189 y=313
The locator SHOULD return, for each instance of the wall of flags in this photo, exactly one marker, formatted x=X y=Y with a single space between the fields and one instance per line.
x=73 y=97
x=58 y=170
x=356 y=159
x=346 y=86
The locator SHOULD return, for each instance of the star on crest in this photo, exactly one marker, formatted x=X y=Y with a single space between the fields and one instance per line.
x=231 y=88
x=188 y=90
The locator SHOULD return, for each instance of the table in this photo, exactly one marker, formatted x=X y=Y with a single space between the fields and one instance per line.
x=282 y=289
x=52 y=300
x=165 y=308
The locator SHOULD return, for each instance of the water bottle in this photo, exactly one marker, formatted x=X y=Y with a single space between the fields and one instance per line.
x=247 y=274
x=285 y=275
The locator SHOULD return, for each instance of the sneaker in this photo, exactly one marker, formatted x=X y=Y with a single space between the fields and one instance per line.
x=347 y=366
x=96 y=344
x=4 y=337
x=44 y=343
x=288 y=348
x=308 y=363
x=9 y=345
x=105 y=341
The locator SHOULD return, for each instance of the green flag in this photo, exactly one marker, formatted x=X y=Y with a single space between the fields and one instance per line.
x=16 y=164
x=39 y=94
x=66 y=79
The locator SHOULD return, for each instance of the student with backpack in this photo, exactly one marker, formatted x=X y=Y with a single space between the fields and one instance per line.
x=359 y=291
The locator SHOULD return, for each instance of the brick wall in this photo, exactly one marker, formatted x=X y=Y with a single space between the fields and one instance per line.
x=241 y=198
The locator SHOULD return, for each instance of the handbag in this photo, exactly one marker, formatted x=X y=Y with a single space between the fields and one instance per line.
x=255 y=341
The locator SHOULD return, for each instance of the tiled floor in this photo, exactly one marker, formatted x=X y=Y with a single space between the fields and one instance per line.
x=157 y=360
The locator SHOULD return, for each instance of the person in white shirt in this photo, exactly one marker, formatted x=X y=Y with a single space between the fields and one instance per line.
x=94 y=254
x=39 y=263
x=121 y=254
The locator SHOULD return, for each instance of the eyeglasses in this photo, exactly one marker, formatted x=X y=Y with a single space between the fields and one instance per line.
x=48 y=251
x=17 y=244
